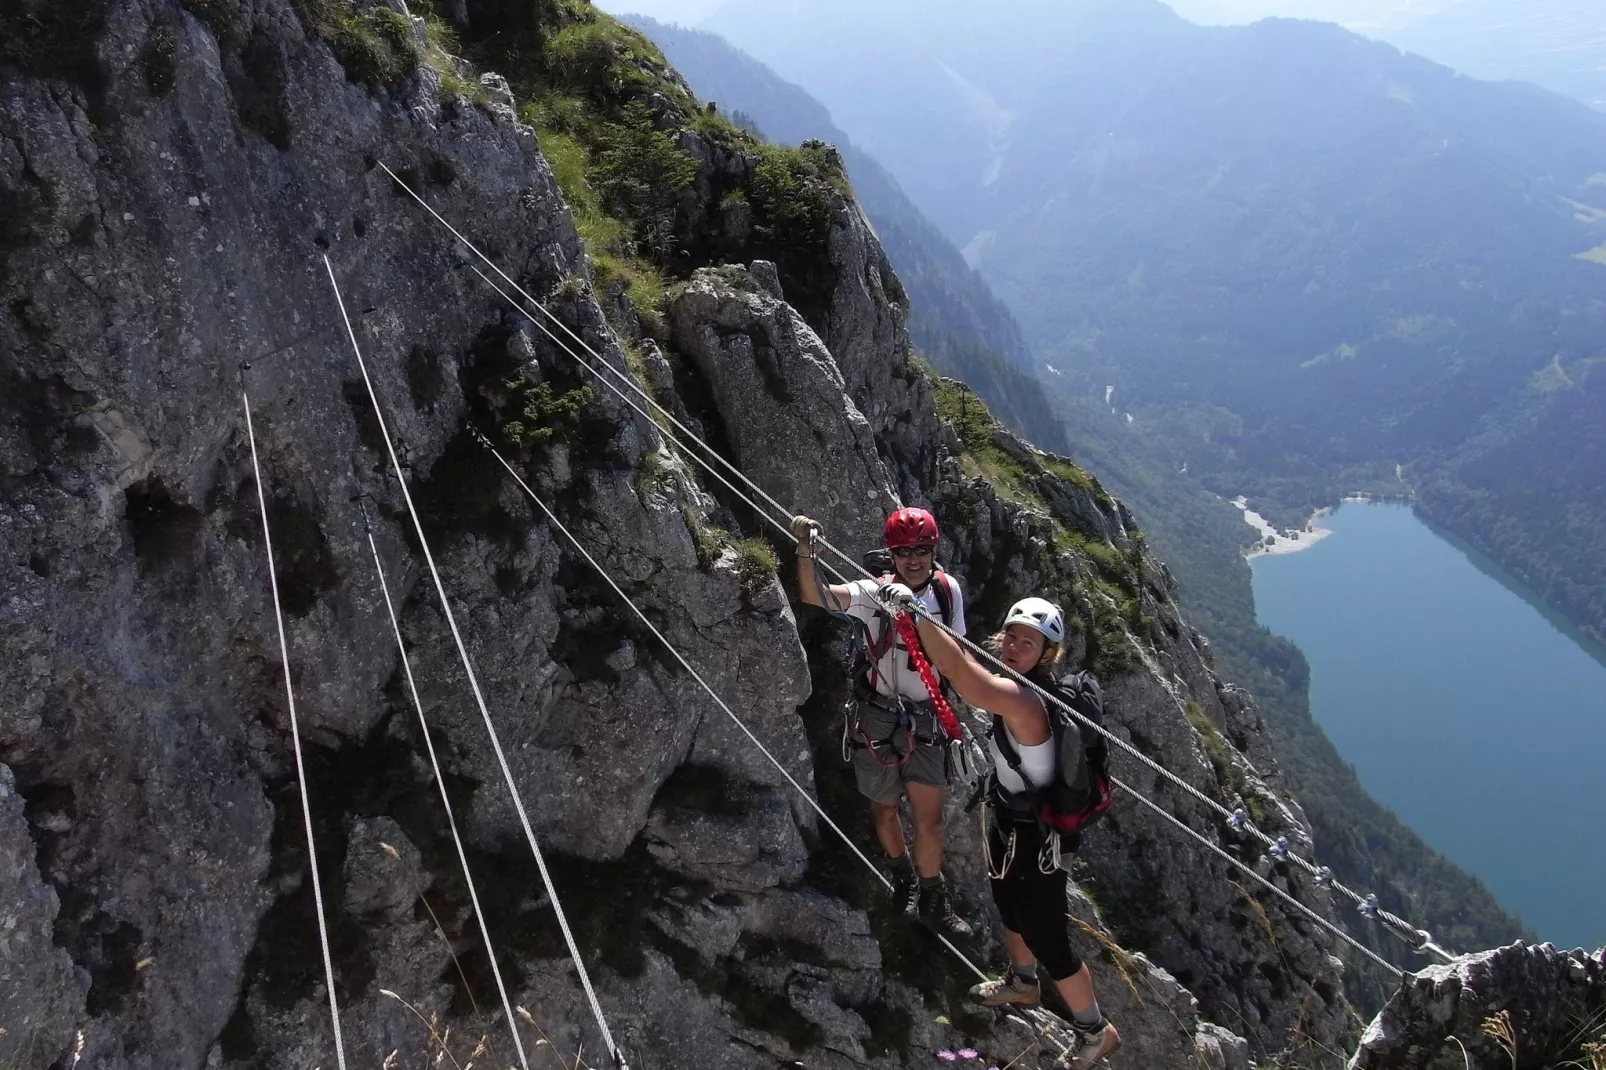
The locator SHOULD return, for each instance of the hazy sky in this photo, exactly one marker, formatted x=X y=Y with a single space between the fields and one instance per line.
x=1363 y=15
x=685 y=12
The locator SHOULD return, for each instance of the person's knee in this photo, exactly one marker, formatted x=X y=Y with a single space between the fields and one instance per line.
x=1051 y=946
x=929 y=821
x=884 y=812
x=925 y=802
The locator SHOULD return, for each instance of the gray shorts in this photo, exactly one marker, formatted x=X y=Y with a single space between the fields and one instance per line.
x=879 y=776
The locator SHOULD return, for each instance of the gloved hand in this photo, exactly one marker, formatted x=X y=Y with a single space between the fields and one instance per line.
x=804 y=530
x=897 y=597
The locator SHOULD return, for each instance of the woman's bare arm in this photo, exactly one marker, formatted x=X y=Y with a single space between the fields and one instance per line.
x=1020 y=707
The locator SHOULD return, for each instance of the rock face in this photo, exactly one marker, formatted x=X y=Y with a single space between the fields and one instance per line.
x=1517 y=1006
x=794 y=422
x=171 y=178
x=39 y=993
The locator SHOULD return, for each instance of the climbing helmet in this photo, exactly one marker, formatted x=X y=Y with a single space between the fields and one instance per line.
x=909 y=527
x=1040 y=614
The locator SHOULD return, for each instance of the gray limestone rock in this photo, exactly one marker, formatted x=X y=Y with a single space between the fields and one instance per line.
x=794 y=430
x=40 y=998
x=760 y=849
x=767 y=277
x=1448 y=1017
x=382 y=873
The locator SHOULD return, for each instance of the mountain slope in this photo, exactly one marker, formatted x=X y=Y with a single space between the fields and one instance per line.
x=1301 y=258
x=954 y=318
x=150 y=816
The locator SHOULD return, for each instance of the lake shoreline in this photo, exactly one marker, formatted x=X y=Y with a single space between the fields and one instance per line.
x=1402 y=630
x=1273 y=542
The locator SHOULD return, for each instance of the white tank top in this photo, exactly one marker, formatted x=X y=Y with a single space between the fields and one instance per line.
x=1036 y=761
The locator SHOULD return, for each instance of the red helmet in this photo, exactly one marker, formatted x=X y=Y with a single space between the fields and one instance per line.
x=909 y=527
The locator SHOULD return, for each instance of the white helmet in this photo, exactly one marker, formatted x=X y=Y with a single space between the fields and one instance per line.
x=1041 y=614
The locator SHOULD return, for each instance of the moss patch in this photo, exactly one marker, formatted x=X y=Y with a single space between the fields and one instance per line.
x=377 y=48
x=710 y=540
x=607 y=185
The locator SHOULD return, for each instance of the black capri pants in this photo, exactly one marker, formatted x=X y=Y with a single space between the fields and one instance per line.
x=1030 y=902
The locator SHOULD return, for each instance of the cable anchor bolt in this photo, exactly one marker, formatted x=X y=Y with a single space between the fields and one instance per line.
x=1279 y=850
x=1238 y=819
x=1368 y=907
x=1324 y=877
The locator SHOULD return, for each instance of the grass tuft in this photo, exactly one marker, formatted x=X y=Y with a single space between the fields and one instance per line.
x=755 y=562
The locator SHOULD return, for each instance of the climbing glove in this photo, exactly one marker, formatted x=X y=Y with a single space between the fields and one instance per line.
x=805 y=530
x=897 y=597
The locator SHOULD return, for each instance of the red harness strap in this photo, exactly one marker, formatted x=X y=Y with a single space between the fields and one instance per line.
x=917 y=654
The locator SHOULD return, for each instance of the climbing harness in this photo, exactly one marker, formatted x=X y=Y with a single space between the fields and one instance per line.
x=906 y=713
x=474 y=685
x=295 y=730
x=664 y=420
x=440 y=782
x=1048 y=854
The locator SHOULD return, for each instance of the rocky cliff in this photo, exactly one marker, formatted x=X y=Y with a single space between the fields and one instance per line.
x=171 y=174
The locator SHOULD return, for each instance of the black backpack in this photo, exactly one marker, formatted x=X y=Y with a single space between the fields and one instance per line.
x=865 y=652
x=1080 y=791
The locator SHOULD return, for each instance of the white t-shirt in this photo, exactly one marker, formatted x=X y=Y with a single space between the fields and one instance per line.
x=894 y=673
x=1036 y=761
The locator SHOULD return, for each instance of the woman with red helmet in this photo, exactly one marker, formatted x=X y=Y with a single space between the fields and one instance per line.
x=899 y=747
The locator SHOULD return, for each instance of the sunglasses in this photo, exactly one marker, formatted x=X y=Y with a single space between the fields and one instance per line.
x=913 y=551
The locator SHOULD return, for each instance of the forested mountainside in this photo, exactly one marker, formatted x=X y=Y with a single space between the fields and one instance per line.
x=954 y=318
x=1199 y=535
x=1306 y=263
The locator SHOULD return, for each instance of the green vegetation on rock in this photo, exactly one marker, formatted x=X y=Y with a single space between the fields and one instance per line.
x=1105 y=590
x=377 y=47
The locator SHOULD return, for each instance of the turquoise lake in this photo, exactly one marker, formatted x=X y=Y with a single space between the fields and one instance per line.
x=1481 y=723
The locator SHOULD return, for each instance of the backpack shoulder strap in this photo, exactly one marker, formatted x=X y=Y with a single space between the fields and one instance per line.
x=877 y=646
x=1006 y=748
x=945 y=594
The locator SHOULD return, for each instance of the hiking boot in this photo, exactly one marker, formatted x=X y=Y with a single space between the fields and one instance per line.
x=904 y=888
x=1091 y=1047
x=1009 y=990
x=936 y=911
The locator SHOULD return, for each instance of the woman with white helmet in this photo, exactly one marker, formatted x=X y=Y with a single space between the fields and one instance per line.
x=1030 y=896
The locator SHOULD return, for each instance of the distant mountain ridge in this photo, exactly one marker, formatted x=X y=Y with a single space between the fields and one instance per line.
x=1557 y=44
